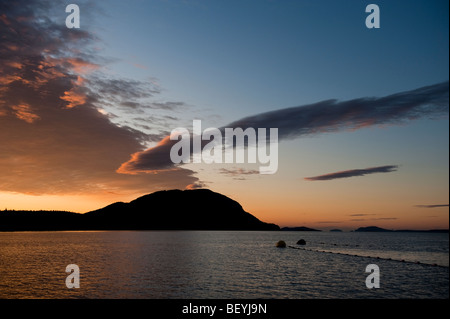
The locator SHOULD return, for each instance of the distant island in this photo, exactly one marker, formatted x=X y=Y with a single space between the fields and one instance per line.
x=301 y=228
x=372 y=229
x=200 y=209
x=379 y=229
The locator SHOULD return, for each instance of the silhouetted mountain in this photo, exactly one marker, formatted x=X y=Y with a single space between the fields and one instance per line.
x=199 y=209
x=301 y=228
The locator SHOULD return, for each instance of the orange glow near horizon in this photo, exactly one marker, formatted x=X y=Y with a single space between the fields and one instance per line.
x=289 y=215
x=342 y=218
x=72 y=203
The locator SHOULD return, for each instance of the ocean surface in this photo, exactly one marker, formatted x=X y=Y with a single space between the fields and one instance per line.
x=223 y=265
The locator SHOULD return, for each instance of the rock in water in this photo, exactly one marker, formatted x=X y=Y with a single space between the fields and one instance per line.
x=301 y=242
x=281 y=244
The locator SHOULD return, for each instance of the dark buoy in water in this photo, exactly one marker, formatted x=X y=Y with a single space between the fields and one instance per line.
x=301 y=242
x=281 y=244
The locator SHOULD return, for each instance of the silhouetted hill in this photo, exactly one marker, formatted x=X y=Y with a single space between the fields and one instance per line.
x=301 y=228
x=40 y=220
x=200 y=209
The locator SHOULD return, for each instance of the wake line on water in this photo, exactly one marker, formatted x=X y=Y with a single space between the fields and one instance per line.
x=372 y=257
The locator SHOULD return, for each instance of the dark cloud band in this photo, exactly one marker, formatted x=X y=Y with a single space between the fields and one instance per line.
x=332 y=115
x=353 y=173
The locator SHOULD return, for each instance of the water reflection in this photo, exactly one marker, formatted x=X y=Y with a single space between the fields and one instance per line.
x=202 y=264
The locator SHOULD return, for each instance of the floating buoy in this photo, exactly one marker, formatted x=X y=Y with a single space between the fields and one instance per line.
x=281 y=244
x=301 y=242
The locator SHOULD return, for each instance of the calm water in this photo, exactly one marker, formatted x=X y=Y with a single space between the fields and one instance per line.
x=222 y=264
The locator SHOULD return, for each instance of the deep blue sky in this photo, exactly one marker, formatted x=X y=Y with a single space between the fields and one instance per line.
x=243 y=57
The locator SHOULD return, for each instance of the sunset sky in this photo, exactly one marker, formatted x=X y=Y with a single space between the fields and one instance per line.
x=362 y=113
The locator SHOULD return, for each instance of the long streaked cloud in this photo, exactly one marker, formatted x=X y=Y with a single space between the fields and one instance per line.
x=326 y=117
x=368 y=219
x=238 y=171
x=332 y=115
x=55 y=137
x=353 y=173
x=432 y=206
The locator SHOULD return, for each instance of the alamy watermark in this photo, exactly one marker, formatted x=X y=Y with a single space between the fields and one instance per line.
x=372 y=20
x=73 y=19
x=73 y=279
x=373 y=280
x=226 y=145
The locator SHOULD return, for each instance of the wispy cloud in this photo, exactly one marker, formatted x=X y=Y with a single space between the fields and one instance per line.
x=238 y=173
x=353 y=173
x=330 y=222
x=140 y=66
x=197 y=185
x=431 y=206
x=370 y=219
x=170 y=106
x=359 y=215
